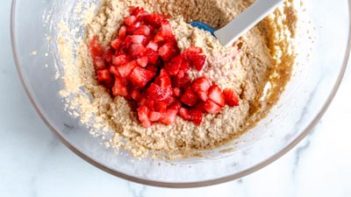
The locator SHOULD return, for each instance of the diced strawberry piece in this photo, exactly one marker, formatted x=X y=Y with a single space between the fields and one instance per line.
x=156 y=92
x=175 y=105
x=99 y=63
x=140 y=76
x=136 y=11
x=152 y=45
x=189 y=97
x=104 y=76
x=195 y=58
x=198 y=61
x=113 y=70
x=119 y=88
x=142 y=30
x=176 y=92
x=193 y=49
x=122 y=33
x=201 y=84
x=182 y=82
x=108 y=55
x=95 y=47
x=143 y=117
x=137 y=39
x=216 y=95
x=184 y=113
x=135 y=95
x=167 y=51
x=163 y=79
x=174 y=65
x=136 y=50
x=155 y=116
x=169 y=117
x=195 y=116
x=152 y=55
x=202 y=95
x=143 y=61
x=116 y=43
x=119 y=60
x=131 y=29
x=231 y=98
x=211 y=107
x=160 y=106
x=152 y=68
x=130 y=20
x=165 y=33
x=154 y=19
x=125 y=69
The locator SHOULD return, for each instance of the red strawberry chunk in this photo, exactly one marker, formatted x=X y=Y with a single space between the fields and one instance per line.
x=122 y=32
x=174 y=65
x=155 y=116
x=201 y=84
x=95 y=47
x=216 y=95
x=104 y=76
x=136 y=50
x=154 y=19
x=195 y=116
x=184 y=113
x=189 y=97
x=99 y=63
x=155 y=92
x=137 y=39
x=119 y=60
x=169 y=117
x=231 y=98
x=135 y=95
x=152 y=55
x=211 y=107
x=143 y=116
x=143 y=61
x=164 y=33
x=152 y=45
x=164 y=80
x=167 y=51
x=119 y=88
x=116 y=43
x=182 y=82
x=140 y=77
x=125 y=69
x=130 y=20
x=143 y=30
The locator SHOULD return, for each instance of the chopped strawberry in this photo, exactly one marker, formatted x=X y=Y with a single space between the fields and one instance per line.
x=189 y=97
x=201 y=84
x=119 y=88
x=169 y=117
x=140 y=77
x=122 y=32
x=152 y=55
x=160 y=106
x=143 y=61
x=193 y=49
x=119 y=60
x=216 y=95
x=135 y=95
x=99 y=63
x=130 y=20
x=104 y=76
x=143 y=116
x=211 y=107
x=182 y=82
x=231 y=98
x=152 y=45
x=174 y=65
x=116 y=43
x=176 y=92
x=131 y=29
x=137 y=11
x=195 y=116
x=167 y=51
x=202 y=95
x=95 y=47
x=125 y=69
x=155 y=116
x=154 y=19
x=142 y=30
x=136 y=50
x=163 y=79
x=164 y=33
x=157 y=93
x=113 y=70
x=108 y=56
x=136 y=39
x=198 y=61
x=184 y=113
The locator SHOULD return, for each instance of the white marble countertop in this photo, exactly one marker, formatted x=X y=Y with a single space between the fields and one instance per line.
x=34 y=163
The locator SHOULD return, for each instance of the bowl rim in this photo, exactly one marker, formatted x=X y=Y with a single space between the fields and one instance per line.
x=306 y=131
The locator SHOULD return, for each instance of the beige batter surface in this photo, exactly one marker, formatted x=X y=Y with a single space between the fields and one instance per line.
x=257 y=67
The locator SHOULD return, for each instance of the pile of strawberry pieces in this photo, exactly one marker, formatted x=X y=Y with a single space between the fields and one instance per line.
x=145 y=66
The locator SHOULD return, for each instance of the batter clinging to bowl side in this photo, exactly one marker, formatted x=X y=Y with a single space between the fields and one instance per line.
x=258 y=58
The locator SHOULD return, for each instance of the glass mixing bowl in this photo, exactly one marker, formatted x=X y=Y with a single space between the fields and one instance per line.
x=306 y=98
